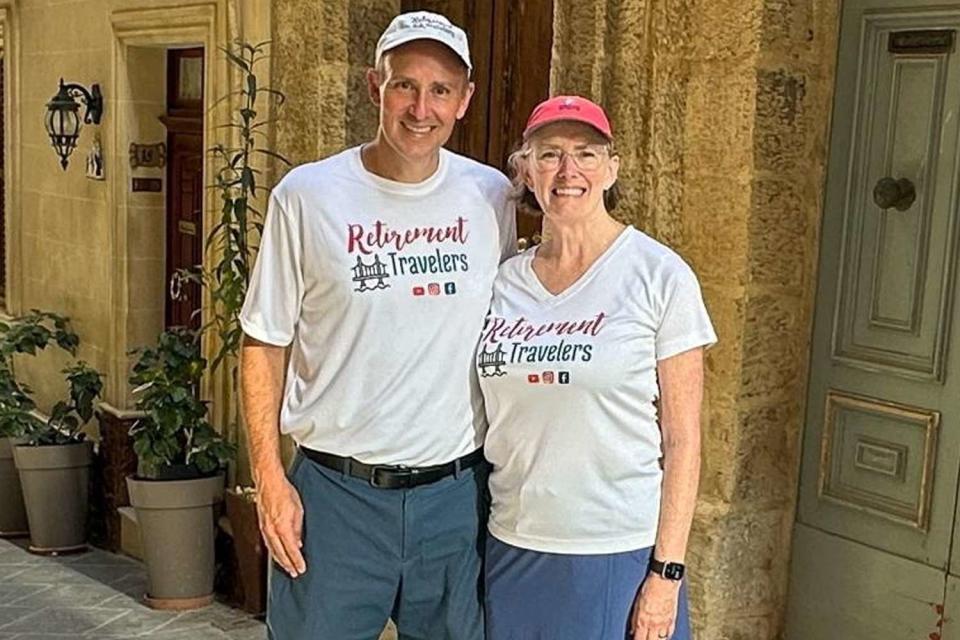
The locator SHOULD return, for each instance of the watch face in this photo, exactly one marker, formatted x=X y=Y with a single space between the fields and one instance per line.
x=673 y=571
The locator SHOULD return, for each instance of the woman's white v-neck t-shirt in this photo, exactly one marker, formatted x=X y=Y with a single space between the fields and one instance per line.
x=570 y=385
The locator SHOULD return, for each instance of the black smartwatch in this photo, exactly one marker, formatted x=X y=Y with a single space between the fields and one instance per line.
x=667 y=570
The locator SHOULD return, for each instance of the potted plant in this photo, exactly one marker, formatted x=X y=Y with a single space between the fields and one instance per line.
x=15 y=419
x=180 y=472
x=52 y=456
x=234 y=241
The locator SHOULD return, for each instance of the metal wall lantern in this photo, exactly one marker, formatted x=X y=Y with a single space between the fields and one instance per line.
x=63 y=121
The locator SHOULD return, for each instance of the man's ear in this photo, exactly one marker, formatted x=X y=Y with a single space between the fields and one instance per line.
x=465 y=101
x=373 y=86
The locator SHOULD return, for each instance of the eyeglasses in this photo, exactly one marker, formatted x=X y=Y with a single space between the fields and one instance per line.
x=587 y=158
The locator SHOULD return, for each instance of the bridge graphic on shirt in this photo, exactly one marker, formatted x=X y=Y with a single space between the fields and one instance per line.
x=364 y=273
x=488 y=360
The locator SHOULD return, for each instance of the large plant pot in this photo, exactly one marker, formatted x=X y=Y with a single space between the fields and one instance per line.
x=177 y=531
x=250 y=553
x=54 y=480
x=13 y=515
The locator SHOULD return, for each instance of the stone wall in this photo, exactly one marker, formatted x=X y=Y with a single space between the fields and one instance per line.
x=720 y=109
x=93 y=250
x=322 y=50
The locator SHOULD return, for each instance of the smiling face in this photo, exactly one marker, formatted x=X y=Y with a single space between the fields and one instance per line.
x=568 y=168
x=422 y=89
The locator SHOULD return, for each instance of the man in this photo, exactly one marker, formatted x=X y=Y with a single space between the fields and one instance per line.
x=375 y=273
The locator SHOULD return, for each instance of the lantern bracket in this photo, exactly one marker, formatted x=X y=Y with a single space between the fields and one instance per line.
x=92 y=100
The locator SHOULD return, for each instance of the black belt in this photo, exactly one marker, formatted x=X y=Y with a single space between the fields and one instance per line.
x=387 y=476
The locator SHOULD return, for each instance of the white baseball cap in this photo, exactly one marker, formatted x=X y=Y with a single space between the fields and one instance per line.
x=424 y=25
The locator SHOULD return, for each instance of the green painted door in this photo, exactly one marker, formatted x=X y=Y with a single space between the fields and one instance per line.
x=881 y=448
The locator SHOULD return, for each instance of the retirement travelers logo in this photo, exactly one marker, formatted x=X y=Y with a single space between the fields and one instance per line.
x=427 y=254
x=504 y=342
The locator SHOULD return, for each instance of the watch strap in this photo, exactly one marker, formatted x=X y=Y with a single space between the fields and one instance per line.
x=667 y=570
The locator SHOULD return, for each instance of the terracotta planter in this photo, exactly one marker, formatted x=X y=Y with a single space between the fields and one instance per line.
x=54 y=480
x=250 y=553
x=177 y=532
x=13 y=515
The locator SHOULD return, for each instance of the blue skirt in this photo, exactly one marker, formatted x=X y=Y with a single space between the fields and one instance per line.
x=548 y=596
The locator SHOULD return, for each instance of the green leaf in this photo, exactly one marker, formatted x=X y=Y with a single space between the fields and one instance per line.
x=237 y=60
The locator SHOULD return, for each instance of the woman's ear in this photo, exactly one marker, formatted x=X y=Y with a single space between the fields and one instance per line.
x=613 y=171
x=525 y=175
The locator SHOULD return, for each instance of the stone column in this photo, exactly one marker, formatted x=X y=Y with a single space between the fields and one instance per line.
x=720 y=110
x=321 y=49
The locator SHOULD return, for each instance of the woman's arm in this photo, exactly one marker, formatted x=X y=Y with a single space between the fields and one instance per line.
x=681 y=394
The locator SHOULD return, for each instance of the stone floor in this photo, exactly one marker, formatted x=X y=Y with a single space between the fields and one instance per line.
x=97 y=595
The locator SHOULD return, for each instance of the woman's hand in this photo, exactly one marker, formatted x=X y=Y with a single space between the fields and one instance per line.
x=655 y=609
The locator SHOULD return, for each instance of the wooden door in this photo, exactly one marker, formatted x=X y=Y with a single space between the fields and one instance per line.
x=185 y=187
x=881 y=445
x=3 y=215
x=510 y=45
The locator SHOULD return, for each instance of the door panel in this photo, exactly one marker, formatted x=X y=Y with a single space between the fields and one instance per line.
x=894 y=297
x=881 y=444
x=185 y=188
x=184 y=225
x=854 y=593
x=880 y=416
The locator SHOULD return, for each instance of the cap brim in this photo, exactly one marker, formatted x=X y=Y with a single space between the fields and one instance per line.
x=530 y=131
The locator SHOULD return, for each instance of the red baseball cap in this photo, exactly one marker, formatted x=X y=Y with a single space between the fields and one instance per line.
x=573 y=108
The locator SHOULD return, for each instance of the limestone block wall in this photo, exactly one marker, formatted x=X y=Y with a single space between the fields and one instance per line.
x=89 y=249
x=322 y=49
x=63 y=216
x=146 y=265
x=721 y=112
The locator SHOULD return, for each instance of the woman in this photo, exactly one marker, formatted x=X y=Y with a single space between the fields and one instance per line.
x=589 y=333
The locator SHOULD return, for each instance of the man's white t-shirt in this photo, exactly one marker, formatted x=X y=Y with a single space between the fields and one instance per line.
x=381 y=288
x=570 y=383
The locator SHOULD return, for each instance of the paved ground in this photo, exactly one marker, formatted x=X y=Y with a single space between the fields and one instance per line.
x=96 y=595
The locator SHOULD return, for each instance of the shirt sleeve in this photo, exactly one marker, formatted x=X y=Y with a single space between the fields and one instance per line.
x=271 y=308
x=685 y=323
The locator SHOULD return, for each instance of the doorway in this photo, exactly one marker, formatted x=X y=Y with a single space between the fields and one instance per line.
x=510 y=46
x=875 y=553
x=185 y=188
x=3 y=187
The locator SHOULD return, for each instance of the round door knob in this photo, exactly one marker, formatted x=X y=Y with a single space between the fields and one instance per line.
x=898 y=194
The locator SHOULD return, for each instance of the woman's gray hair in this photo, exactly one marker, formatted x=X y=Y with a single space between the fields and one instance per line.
x=525 y=198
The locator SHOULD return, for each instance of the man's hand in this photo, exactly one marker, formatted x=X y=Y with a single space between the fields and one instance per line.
x=655 y=609
x=281 y=523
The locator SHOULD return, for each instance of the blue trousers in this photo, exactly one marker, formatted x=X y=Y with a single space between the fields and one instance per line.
x=548 y=596
x=411 y=554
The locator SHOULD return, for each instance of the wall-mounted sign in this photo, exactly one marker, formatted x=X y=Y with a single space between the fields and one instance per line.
x=95 y=160
x=148 y=155
x=922 y=41
x=152 y=185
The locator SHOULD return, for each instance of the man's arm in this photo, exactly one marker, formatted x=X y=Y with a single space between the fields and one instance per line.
x=279 y=507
